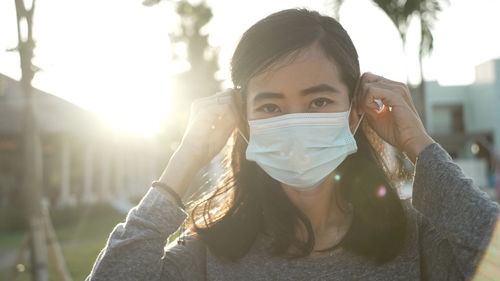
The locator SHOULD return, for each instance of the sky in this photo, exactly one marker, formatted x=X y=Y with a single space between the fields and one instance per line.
x=113 y=56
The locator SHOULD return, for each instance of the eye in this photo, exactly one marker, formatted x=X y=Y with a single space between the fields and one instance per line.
x=268 y=108
x=320 y=102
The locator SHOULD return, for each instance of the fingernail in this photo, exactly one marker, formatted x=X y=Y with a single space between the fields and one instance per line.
x=380 y=104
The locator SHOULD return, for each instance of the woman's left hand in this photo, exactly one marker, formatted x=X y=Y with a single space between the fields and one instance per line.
x=398 y=122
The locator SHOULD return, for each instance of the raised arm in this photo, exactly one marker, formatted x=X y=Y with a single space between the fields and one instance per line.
x=457 y=217
x=135 y=248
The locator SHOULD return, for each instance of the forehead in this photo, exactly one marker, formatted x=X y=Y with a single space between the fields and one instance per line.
x=303 y=69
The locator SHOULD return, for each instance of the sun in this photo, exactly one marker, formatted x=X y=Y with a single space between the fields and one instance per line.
x=119 y=69
x=131 y=101
x=140 y=107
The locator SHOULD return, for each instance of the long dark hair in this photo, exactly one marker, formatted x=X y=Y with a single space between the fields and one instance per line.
x=247 y=201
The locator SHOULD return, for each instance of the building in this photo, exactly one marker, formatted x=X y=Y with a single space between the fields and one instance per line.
x=84 y=160
x=466 y=121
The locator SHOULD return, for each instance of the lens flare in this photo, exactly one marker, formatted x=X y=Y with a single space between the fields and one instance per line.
x=381 y=191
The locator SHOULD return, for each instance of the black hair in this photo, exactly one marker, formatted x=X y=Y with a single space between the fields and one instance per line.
x=249 y=202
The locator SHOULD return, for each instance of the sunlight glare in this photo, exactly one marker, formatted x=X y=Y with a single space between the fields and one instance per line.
x=120 y=71
x=141 y=107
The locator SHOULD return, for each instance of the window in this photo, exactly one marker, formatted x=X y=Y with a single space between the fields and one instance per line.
x=448 y=119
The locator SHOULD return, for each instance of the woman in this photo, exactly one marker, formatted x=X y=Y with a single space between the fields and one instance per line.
x=304 y=196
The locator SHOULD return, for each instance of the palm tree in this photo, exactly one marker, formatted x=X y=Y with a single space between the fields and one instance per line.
x=190 y=44
x=401 y=12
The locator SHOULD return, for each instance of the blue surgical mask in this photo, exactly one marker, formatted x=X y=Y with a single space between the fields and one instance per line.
x=301 y=149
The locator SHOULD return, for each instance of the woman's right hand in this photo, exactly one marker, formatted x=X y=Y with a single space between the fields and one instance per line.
x=211 y=121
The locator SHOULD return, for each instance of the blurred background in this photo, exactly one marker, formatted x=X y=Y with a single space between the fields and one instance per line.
x=95 y=95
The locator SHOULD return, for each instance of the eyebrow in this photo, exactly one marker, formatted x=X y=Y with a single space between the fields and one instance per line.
x=312 y=90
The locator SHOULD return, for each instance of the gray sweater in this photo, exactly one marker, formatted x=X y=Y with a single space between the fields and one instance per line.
x=449 y=221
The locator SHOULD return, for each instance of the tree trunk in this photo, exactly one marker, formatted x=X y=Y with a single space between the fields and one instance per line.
x=421 y=93
x=32 y=152
x=421 y=87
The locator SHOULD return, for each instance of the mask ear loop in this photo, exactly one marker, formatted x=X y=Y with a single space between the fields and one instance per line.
x=242 y=135
x=359 y=122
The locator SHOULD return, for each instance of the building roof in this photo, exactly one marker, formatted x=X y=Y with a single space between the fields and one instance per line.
x=54 y=115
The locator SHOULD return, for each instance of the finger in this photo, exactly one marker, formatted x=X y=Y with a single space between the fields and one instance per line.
x=215 y=111
x=211 y=101
x=369 y=77
x=394 y=87
x=400 y=88
x=365 y=78
x=205 y=112
x=231 y=97
x=220 y=97
x=371 y=92
x=228 y=99
x=225 y=119
x=226 y=95
x=202 y=105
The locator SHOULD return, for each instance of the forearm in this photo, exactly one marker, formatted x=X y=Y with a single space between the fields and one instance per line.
x=450 y=200
x=180 y=171
x=414 y=148
x=135 y=247
x=458 y=217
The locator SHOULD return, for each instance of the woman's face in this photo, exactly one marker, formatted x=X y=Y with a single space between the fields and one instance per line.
x=311 y=82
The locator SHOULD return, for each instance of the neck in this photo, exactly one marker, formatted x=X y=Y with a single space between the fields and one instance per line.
x=320 y=206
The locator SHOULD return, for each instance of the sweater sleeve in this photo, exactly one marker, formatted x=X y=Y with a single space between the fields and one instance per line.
x=457 y=218
x=135 y=248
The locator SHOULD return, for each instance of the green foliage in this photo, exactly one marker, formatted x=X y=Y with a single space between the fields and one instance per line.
x=401 y=13
x=13 y=218
x=189 y=43
x=428 y=12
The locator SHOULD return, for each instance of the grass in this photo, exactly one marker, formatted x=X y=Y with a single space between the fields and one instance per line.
x=82 y=233
x=10 y=240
